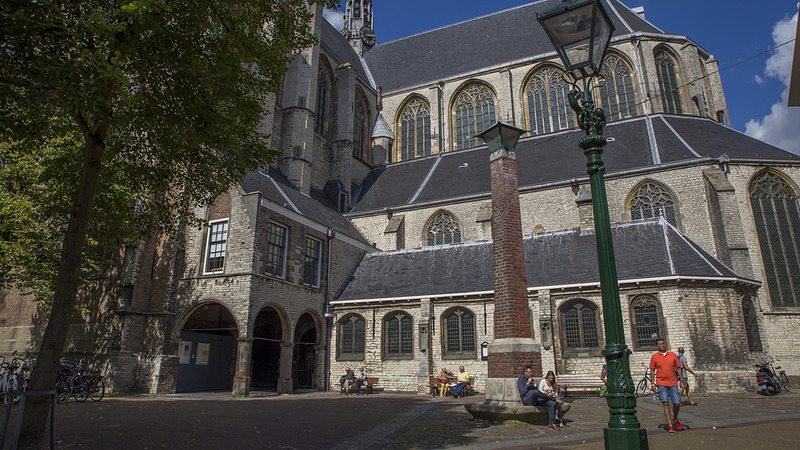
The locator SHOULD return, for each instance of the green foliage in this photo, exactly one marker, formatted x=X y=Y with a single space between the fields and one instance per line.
x=174 y=92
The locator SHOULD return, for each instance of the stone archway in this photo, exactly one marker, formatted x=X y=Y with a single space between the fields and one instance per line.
x=266 y=352
x=207 y=349
x=304 y=357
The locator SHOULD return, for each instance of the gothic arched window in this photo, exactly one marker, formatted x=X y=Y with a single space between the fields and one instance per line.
x=668 y=82
x=351 y=337
x=751 y=325
x=443 y=229
x=324 y=100
x=548 y=106
x=415 y=130
x=361 y=131
x=616 y=89
x=458 y=333
x=777 y=219
x=474 y=112
x=398 y=336
x=647 y=322
x=579 y=326
x=652 y=200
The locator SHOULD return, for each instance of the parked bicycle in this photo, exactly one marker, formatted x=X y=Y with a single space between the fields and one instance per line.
x=643 y=387
x=14 y=376
x=771 y=379
x=79 y=383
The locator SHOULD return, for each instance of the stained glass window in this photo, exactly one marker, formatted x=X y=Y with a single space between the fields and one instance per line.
x=777 y=218
x=351 y=336
x=548 y=106
x=398 y=335
x=646 y=313
x=415 y=131
x=579 y=322
x=474 y=112
x=444 y=230
x=616 y=89
x=652 y=200
x=361 y=132
x=460 y=332
x=668 y=83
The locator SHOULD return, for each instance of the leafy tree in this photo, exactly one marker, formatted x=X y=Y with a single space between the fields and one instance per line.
x=116 y=118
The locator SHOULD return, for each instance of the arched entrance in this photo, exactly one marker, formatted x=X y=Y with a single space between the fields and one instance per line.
x=267 y=334
x=304 y=360
x=206 y=353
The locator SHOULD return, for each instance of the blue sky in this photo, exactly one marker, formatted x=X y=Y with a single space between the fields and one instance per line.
x=731 y=30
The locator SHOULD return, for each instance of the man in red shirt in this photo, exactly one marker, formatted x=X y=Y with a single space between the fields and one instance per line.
x=662 y=371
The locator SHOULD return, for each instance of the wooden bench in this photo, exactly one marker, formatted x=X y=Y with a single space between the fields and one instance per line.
x=370 y=388
x=433 y=384
x=574 y=383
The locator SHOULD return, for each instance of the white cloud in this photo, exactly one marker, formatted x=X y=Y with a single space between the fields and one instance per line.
x=779 y=127
x=333 y=17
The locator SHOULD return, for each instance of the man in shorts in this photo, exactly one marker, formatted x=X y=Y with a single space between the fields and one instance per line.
x=664 y=372
x=685 y=368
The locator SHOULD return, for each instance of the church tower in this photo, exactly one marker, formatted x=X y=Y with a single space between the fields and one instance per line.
x=357 y=25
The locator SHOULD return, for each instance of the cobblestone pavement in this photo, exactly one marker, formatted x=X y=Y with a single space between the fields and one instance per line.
x=333 y=421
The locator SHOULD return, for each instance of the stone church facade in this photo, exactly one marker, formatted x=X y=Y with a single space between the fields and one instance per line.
x=368 y=243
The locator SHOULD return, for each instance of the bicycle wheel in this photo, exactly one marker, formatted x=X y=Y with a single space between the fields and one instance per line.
x=63 y=389
x=80 y=391
x=98 y=390
x=785 y=382
x=776 y=382
x=11 y=385
x=641 y=388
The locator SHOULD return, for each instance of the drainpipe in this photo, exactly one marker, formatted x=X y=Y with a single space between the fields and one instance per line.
x=327 y=313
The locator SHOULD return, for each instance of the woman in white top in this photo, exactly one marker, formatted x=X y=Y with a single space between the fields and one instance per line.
x=549 y=386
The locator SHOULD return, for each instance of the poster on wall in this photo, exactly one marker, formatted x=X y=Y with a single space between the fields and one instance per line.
x=184 y=352
x=203 y=352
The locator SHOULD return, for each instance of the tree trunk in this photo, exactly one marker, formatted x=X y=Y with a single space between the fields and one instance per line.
x=48 y=359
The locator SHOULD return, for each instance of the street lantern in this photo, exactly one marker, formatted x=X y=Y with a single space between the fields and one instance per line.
x=580 y=31
x=501 y=137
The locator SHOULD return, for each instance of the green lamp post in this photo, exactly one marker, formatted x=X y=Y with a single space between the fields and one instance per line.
x=580 y=30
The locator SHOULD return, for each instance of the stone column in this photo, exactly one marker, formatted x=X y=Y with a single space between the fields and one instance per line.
x=241 y=379
x=285 y=382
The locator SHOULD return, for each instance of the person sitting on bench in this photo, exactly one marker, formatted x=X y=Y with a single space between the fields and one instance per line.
x=532 y=396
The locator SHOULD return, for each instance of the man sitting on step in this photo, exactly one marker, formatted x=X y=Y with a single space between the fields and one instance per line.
x=532 y=396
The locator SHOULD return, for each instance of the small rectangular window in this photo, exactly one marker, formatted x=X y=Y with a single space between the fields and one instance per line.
x=311 y=263
x=276 y=250
x=216 y=245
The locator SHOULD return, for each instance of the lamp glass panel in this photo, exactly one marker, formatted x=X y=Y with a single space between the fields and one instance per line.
x=510 y=136
x=602 y=33
x=572 y=34
x=492 y=138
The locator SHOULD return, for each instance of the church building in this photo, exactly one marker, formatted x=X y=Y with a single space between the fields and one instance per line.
x=368 y=242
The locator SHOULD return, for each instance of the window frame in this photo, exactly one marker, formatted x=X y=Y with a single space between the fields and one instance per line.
x=463 y=136
x=398 y=315
x=664 y=192
x=456 y=234
x=414 y=126
x=661 y=327
x=582 y=351
x=553 y=98
x=284 y=248
x=445 y=335
x=361 y=127
x=209 y=243
x=318 y=264
x=355 y=355
x=631 y=107
x=668 y=83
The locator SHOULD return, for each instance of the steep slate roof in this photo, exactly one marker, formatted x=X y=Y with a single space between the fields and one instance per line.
x=340 y=49
x=644 y=250
x=276 y=188
x=553 y=158
x=495 y=39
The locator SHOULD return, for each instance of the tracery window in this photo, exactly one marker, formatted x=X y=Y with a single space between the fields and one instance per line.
x=351 y=337
x=443 y=230
x=324 y=102
x=474 y=112
x=777 y=218
x=459 y=333
x=415 y=130
x=616 y=89
x=751 y=325
x=398 y=337
x=652 y=200
x=668 y=83
x=548 y=106
x=361 y=132
x=579 y=326
x=647 y=321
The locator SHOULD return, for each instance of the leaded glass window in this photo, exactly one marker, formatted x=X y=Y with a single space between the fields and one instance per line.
x=579 y=324
x=351 y=337
x=323 y=98
x=415 y=130
x=474 y=111
x=616 y=89
x=459 y=333
x=276 y=250
x=217 y=244
x=652 y=200
x=548 y=106
x=360 y=128
x=311 y=263
x=751 y=325
x=398 y=335
x=646 y=320
x=777 y=219
x=668 y=83
x=444 y=230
